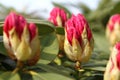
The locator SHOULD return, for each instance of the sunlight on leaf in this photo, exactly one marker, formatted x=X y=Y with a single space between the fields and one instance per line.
x=95 y=68
x=9 y=76
x=48 y=76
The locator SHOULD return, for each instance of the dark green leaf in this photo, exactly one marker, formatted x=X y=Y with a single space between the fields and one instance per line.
x=44 y=27
x=2 y=57
x=2 y=49
x=25 y=76
x=8 y=64
x=1 y=29
x=60 y=30
x=49 y=48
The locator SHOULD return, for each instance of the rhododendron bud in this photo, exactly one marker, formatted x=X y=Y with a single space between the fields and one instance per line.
x=21 y=39
x=79 y=42
x=58 y=17
x=112 y=71
x=113 y=29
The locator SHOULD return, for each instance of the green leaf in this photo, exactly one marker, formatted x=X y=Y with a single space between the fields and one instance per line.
x=2 y=49
x=48 y=76
x=9 y=76
x=95 y=68
x=2 y=57
x=1 y=22
x=44 y=27
x=49 y=48
x=95 y=63
x=60 y=30
x=1 y=72
x=101 y=42
x=25 y=76
x=54 y=76
x=56 y=69
x=8 y=63
x=1 y=29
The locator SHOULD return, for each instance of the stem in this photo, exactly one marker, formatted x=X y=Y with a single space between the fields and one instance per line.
x=18 y=67
x=77 y=66
x=78 y=70
x=61 y=54
x=78 y=74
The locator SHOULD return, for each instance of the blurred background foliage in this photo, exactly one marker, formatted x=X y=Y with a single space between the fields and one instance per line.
x=92 y=70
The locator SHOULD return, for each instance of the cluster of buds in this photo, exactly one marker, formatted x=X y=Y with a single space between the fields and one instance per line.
x=79 y=41
x=112 y=71
x=21 y=39
x=59 y=17
x=113 y=29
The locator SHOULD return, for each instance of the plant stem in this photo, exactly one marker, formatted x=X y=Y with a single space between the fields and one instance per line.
x=78 y=70
x=18 y=67
x=77 y=66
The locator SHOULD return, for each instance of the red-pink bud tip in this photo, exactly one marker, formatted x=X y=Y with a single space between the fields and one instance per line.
x=115 y=18
x=32 y=30
x=58 y=12
x=118 y=55
x=14 y=20
x=75 y=26
x=19 y=23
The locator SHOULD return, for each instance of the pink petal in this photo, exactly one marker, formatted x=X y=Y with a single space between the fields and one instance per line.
x=75 y=26
x=32 y=30
x=54 y=13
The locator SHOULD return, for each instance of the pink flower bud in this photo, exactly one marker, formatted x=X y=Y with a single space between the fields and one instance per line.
x=58 y=17
x=78 y=43
x=113 y=29
x=13 y=20
x=20 y=38
x=112 y=71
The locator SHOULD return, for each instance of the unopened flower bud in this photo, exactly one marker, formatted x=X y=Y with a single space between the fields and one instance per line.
x=58 y=17
x=113 y=29
x=20 y=38
x=112 y=71
x=79 y=42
